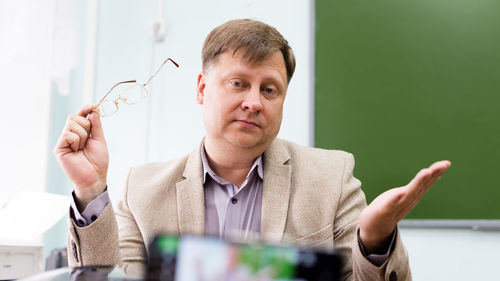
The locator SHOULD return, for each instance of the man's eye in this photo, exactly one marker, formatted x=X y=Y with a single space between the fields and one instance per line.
x=269 y=90
x=236 y=83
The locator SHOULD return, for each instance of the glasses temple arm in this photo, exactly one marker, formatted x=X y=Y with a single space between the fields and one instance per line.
x=156 y=72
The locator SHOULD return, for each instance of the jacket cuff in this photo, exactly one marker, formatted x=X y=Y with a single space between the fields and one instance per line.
x=92 y=211
x=378 y=259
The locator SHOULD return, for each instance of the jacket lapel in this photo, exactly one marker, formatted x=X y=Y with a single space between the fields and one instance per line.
x=191 y=197
x=276 y=191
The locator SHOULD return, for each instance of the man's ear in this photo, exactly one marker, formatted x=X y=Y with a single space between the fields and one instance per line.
x=200 y=89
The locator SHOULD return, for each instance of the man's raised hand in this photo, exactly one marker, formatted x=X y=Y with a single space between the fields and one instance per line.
x=82 y=153
x=379 y=219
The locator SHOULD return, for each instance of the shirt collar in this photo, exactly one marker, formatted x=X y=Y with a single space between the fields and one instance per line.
x=208 y=170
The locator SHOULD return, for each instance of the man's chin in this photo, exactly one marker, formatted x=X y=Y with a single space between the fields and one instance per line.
x=246 y=142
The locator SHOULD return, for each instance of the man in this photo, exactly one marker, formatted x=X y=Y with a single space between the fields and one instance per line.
x=241 y=178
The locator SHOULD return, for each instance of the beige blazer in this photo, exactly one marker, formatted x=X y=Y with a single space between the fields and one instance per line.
x=310 y=198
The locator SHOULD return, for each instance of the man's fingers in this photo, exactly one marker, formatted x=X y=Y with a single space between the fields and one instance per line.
x=433 y=178
x=422 y=182
x=420 y=179
x=428 y=176
x=79 y=127
x=83 y=126
x=70 y=139
x=96 y=131
x=441 y=165
x=81 y=121
x=74 y=127
x=418 y=186
x=91 y=113
x=85 y=110
x=437 y=169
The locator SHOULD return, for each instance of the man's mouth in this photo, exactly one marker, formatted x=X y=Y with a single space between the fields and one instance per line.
x=247 y=123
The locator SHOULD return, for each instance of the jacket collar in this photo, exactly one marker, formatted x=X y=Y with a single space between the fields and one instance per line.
x=191 y=197
x=276 y=191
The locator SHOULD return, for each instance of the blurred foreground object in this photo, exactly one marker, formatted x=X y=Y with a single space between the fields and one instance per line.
x=196 y=258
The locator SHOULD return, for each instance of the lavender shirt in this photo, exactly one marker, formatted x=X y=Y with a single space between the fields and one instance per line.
x=233 y=212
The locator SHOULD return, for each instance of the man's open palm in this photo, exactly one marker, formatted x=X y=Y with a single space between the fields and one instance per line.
x=378 y=220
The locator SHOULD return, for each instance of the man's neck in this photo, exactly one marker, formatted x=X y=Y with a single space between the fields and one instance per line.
x=230 y=162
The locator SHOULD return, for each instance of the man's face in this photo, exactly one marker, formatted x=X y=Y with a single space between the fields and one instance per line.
x=243 y=103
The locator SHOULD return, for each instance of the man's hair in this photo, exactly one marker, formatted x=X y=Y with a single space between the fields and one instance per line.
x=255 y=39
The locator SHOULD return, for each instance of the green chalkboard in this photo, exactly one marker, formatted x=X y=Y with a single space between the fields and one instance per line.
x=401 y=84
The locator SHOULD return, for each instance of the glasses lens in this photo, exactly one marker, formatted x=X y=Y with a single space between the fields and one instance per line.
x=107 y=108
x=133 y=94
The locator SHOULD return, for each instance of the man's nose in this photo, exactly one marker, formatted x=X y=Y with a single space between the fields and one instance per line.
x=252 y=101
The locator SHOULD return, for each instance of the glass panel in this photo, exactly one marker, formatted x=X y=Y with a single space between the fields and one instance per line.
x=133 y=94
x=107 y=108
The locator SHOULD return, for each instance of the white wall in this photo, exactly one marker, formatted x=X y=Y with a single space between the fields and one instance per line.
x=452 y=254
x=25 y=91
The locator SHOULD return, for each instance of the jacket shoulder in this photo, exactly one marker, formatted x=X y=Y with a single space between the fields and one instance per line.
x=304 y=153
x=318 y=166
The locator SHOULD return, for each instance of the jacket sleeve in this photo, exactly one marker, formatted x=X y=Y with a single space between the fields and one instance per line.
x=95 y=244
x=132 y=248
x=352 y=201
x=112 y=239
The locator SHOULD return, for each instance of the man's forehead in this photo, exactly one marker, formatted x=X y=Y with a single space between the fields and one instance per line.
x=273 y=60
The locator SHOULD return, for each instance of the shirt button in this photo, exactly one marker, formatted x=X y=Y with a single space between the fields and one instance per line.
x=80 y=223
x=93 y=218
x=234 y=200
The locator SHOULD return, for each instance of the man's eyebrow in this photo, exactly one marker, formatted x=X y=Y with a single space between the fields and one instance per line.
x=273 y=77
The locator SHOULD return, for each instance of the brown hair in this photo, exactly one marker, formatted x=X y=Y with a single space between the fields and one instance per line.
x=256 y=39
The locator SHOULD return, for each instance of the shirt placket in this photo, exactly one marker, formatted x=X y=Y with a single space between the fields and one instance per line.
x=233 y=211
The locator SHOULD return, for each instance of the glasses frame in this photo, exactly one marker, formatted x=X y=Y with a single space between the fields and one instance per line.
x=143 y=85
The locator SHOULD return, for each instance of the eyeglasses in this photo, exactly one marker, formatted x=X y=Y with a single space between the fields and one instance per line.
x=130 y=95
